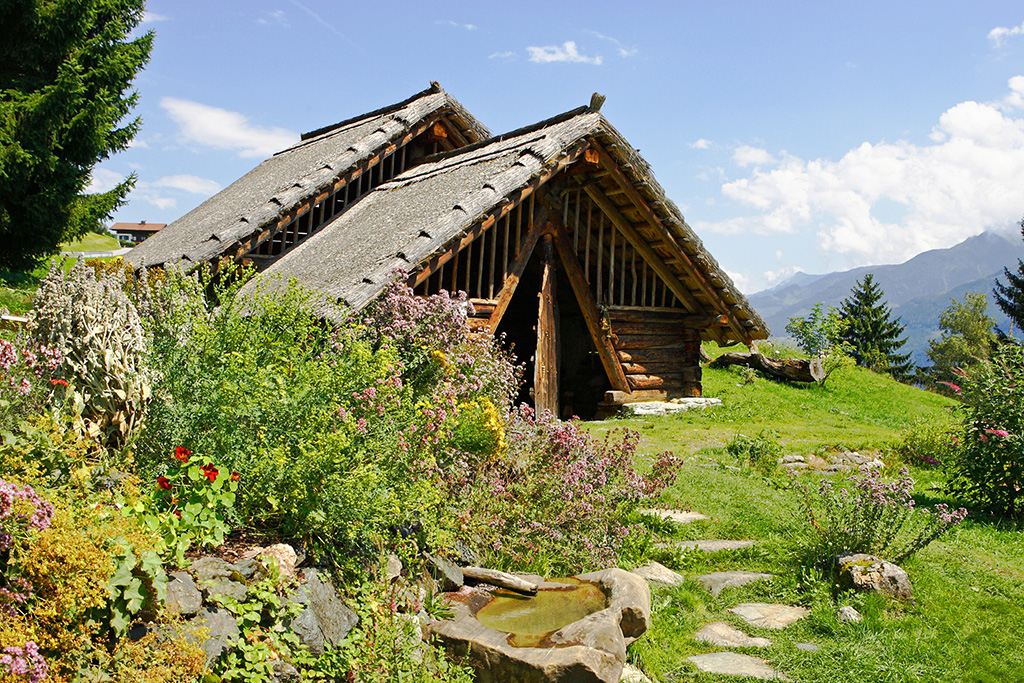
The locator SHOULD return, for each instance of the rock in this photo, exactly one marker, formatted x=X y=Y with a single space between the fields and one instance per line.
x=336 y=618
x=629 y=595
x=207 y=568
x=246 y=568
x=449 y=577
x=467 y=556
x=795 y=466
x=654 y=572
x=849 y=615
x=789 y=459
x=219 y=586
x=707 y=546
x=283 y=672
x=284 y=555
x=868 y=573
x=392 y=568
x=631 y=674
x=183 y=597
x=723 y=635
x=807 y=647
x=767 y=615
x=836 y=469
x=734 y=664
x=223 y=631
x=816 y=462
x=718 y=581
x=678 y=516
x=676 y=405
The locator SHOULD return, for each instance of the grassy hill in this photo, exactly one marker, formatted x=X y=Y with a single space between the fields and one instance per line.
x=969 y=585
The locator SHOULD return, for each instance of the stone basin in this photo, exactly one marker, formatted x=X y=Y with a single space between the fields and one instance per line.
x=575 y=629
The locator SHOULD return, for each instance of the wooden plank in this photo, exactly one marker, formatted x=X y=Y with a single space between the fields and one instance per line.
x=591 y=315
x=641 y=245
x=669 y=355
x=600 y=255
x=545 y=377
x=637 y=324
x=516 y=272
x=645 y=366
x=658 y=380
x=494 y=254
x=649 y=341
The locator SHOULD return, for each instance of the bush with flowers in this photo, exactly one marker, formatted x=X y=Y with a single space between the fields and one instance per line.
x=988 y=469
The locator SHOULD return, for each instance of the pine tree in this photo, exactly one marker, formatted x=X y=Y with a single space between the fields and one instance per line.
x=872 y=335
x=1010 y=297
x=66 y=68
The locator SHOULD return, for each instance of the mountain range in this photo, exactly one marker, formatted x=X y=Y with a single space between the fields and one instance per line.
x=917 y=291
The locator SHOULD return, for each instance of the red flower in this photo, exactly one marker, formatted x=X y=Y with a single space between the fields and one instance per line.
x=235 y=476
x=181 y=453
x=209 y=471
x=177 y=513
x=163 y=482
x=61 y=382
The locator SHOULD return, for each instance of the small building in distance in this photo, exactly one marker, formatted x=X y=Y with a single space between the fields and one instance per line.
x=135 y=232
x=558 y=232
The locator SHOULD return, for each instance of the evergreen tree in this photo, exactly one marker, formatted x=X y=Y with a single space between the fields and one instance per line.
x=66 y=67
x=874 y=338
x=1010 y=297
x=967 y=338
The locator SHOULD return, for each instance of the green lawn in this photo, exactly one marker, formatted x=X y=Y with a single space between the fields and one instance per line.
x=90 y=241
x=968 y=614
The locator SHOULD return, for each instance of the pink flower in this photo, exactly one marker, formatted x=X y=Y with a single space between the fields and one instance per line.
x=998 y=432
x=952 y=386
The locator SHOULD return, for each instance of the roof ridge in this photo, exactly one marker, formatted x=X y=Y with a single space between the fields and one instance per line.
x=434 y=89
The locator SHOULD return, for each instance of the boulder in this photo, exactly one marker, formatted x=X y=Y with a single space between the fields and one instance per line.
x=448 y=576
x=285 y=556
x=183 y=596
x=862 y=572
x=849 y=615
x=208 y=568
x=223 y=631
x=334 y=618
x=657 y=573
x=222 y=586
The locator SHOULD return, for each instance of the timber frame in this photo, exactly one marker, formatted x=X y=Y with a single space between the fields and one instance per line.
x=564 y=210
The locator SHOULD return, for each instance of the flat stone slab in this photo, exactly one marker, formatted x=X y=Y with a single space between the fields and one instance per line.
x=631 y=674
x=767 y=615
x=807 y=647
x=678 y=516
x=734 y=664
x=676 y=405
x=722 y=634
x=707 y=546
x=718 y=581
x=657 y=573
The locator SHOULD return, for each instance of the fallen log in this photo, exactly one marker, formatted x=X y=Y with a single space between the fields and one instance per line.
x=499 y=579
x=792 y=369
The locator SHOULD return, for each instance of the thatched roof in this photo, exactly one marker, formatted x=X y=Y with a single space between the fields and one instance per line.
x=423 y=211
x=293 y=176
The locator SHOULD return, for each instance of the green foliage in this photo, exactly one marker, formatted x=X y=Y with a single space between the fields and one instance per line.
x=99 y=335
x=873 y=336
x=1010 y=297
x=927 y=443
x=65 y=69
x=761 y=452
x=967 y=338
x=988 y=470
x=821 y=335
x=137 y=583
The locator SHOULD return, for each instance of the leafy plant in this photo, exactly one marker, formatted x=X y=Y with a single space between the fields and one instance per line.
x=873 y=516
x=821 y=335
x=928 y=443
x=760 y=452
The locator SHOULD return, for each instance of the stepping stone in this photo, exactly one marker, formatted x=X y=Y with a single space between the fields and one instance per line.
x=654 y=572
x=768 y=616
x=734 y=664
x=807 y=647
x=631 y=674
x=678 y=516
x=717 y=581
x=723 y=635
x=707 y=546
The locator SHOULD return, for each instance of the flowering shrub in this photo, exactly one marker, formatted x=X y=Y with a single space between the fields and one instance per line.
x=928 y=443
x=25 y=662
x=874 y=516
x=988 y=469
x=557 y=500
x=28 y=381
x=189 y=504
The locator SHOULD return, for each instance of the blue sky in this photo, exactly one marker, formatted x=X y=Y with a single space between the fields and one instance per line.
x=811 y=136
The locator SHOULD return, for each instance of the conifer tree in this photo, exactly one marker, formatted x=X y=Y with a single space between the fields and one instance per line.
x=1010 y=297
x=66 y=68
x=874 y=338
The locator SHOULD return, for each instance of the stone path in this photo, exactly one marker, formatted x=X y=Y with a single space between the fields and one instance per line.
x=706 y=545
x=716 y=582
x=722 y=634
x=657 y=573
x=678 y=516
x=766 y=615
x=734 y=664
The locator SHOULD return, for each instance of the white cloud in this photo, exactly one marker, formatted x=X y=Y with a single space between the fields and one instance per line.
x=502 y=55
x=223 y=129
x=152 y=17
x=277 y=16
x=966 y=181
x=752 y=156
x=621 y=49
x=739 y=279
x=103 y=180
x=701 y=144
x=161 y=202
x=188 y=183
x=567 y=52
x=467 y=27
x=1001 y=33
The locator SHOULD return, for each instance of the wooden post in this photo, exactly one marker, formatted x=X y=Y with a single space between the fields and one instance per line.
x=545 y=377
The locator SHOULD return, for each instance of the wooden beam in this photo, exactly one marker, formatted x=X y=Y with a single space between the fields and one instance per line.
x=588 y=305
x=518 y=266
x=678 y=252
x=645 y=249
x=545 y=382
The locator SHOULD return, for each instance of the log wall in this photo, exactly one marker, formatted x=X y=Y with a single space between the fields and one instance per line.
x=659 y=350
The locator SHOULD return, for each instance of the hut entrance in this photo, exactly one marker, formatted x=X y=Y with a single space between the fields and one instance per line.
x=576 y=373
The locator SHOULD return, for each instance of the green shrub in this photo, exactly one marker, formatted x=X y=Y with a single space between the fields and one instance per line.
x=761 y=452
x=927 y=443
x=988 y=469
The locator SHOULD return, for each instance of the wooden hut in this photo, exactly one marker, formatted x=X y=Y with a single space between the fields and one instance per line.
x=558 y=232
